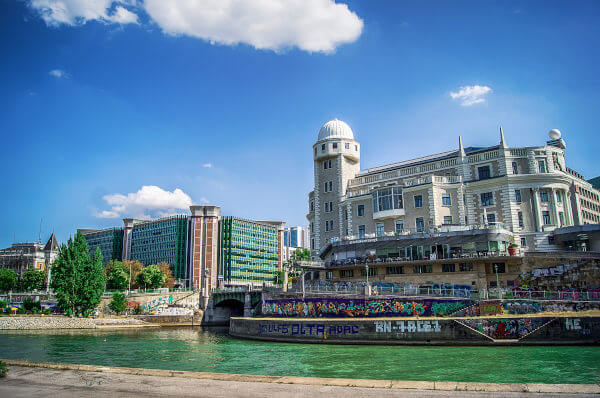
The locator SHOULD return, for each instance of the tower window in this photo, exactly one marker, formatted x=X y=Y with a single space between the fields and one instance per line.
x=347 y=146
x=322 y=147
x=518 y=195
x=335 y=145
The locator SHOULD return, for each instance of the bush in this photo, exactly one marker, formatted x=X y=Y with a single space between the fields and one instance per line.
x=32 y=306
x=3 y=369
x=118 y=303
x=21 y=310
x=3 y=304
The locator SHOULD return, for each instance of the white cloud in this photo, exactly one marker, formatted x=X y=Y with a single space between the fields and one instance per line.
x=58 y=73
x=310 y=25
x=470 y=95
x=150 y=201
x=207 y=165
x=78 y=12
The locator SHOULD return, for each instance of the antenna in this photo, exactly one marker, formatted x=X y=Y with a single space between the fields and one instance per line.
x=40 y=234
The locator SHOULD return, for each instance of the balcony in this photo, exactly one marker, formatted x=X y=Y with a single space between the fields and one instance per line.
x=393 y=213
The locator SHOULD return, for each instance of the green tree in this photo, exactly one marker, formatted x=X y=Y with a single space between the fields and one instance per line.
x=151 y=277
x=78 y=279
x=117 y=275
x=3 y=304
x=32 y=279
x=165 y=268
x=278 y=277
x=300 y=254
x=31 y=306
x=118 y=303
x=8 y=279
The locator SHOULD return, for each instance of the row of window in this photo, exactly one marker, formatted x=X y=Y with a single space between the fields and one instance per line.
x=334 y=145
x=416 y=269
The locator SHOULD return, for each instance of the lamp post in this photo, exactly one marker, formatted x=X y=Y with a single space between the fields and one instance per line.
x=497 y=283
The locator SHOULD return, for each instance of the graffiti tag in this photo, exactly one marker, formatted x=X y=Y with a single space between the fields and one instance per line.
x=407 y=327
x=308 y=329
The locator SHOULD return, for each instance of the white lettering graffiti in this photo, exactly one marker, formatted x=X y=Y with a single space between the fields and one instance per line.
x=407 y=326
x=573 y=324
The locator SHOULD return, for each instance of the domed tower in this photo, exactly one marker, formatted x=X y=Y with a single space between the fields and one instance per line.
x=336 y=158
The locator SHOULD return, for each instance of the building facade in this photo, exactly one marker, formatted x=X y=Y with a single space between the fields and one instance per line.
x=109 y=241
x=529 y=191
x=21 y=256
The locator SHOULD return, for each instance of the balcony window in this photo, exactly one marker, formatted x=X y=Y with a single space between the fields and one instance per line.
x=446 y=201
x=491 y=218
x=418 y=201
x=372 y=272
x=422 y=269
x=387 y=199
x=380 y=229
x=395 y=270
x=542 y=166
x=518 y=196
x=419 y=224
x=447 y=220
x=543 y=195
x=448 y=268
x=484 y=172
x=360 y=210
x=487 y=199
x=361 y=231
x=346 y=273
x=515 y=168
x=399 y=226
x=546 y=217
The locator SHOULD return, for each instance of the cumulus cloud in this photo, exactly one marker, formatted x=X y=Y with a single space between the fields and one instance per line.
x=58 y=73
x=78 y=12
x=148 y=202
x=470 y=95
x=310 y=25
x=207 y=165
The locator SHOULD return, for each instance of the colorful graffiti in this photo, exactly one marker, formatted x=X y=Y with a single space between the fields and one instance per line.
x=490 y=308
x=506 y=328
x=308 y=329
x=317 y=307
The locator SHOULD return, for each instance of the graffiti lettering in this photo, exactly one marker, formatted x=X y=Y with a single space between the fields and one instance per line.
x=407 y=327
x=573 y=324
x=308 y=329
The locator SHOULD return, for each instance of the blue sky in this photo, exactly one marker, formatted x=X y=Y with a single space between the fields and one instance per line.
x=98 y=103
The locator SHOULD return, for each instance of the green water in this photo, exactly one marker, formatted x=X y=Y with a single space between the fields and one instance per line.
x=212 y=350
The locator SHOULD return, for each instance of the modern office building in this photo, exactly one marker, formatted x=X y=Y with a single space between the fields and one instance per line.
x=466 y=202
x=205 y=250
x=294 y=238
x=20 y=256
x=109 y=241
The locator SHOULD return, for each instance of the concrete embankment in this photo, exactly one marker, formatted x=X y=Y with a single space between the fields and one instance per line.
x=61 y=322
x=31 y=378
x=537 y=330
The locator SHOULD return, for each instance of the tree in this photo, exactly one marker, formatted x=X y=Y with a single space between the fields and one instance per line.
x=278 y=278
x=31 y=306
x=77 y=279
x=118 y=303
x=165 y=268
x=8 y=279
x=117 y=275
x=300 y=254
x=151 y=276
x=135 y=267
x=32 y=279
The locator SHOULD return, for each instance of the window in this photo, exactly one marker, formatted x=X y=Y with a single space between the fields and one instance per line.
x=561 y=217
x=346 y=273
x=312 y=244
x=329 y=186
x=361 y=231
x=499 y=267
x=361 y=210
x=558 y=197
x=487 y=199
x=312 y=206
x=491 y=218
x=447 y=220
x=422 y=269
x=446 y=199
x=387 y=199
x=380 y=229
x=372 y=272
x=546 y=217
x=347 y=146
x=327 y=164
x=515 y=167
x=418 y=201
x=326 y=207
x=520 y=216
x=523 y=242
x=543 y=195
x=448 y=268
x=335 y=145
x=322 y=147
x=419 y=224
x=465 y=267
x=356 y=147
x=542 y=166
x=395 y=270
x=484 y=172
x=329 y=275
x=518 y=196
x=399 y=226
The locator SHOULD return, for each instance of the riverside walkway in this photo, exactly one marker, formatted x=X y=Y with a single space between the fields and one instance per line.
x=27 y=379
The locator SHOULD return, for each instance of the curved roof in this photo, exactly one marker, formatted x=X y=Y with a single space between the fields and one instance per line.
x=335 y=129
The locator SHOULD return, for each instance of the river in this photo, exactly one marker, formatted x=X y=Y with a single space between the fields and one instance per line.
x=212 y=350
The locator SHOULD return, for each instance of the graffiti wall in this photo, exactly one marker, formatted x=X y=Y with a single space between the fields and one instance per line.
x=514 y=328
x=523 y=307
x=342 y=307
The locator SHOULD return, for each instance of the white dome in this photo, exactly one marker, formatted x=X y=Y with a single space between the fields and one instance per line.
x=554 y=134
x=335 y=129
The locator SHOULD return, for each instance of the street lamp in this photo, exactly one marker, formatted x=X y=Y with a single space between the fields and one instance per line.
x=497 y=283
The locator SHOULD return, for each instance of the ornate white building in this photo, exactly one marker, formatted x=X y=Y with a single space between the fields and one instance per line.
x=528 y=192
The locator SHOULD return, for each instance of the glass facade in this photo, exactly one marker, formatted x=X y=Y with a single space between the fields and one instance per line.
x=163 y=240
x=249 y=252
x=110 y=242
x=387 y=199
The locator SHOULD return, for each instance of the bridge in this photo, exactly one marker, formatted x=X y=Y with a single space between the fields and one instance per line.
x=223 y=305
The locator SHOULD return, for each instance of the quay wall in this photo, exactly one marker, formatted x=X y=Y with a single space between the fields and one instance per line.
x=440 y=331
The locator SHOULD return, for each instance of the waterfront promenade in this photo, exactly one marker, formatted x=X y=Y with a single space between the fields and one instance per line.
x=41 y=380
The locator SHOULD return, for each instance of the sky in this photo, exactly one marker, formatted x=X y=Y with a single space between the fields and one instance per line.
x=131 y=108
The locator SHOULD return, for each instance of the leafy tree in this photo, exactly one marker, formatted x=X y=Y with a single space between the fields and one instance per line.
x=278 y=278
x=300 y=254
x=77 y=279
x=151 y=277
x=32 y=279
x=135 y=267
x=165 y=268
x=8 y=279
x=3 y=369
x=30 y=305
x=118 y=303
x=3 y=304
x=117 y=275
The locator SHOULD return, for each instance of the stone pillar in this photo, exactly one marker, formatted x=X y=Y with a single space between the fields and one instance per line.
x=285 y=280
x=555 y=207
x=568 y=209
x=247 y=305
x=536 y=208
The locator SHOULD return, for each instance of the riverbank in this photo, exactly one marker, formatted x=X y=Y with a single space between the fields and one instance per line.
x=62 y=322
x=43 y=379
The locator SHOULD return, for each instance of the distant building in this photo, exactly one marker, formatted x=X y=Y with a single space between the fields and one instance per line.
x=595 y=182
x=21 y=256
x=110 y=242
x=293 y=239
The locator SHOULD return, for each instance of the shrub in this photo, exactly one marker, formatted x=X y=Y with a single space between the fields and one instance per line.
x=3 y=369
x=3 y=304
x=32 y=306
x=118 y=303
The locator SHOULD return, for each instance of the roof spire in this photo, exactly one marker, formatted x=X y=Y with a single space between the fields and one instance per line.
x=502 y=141
x=461 y=148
